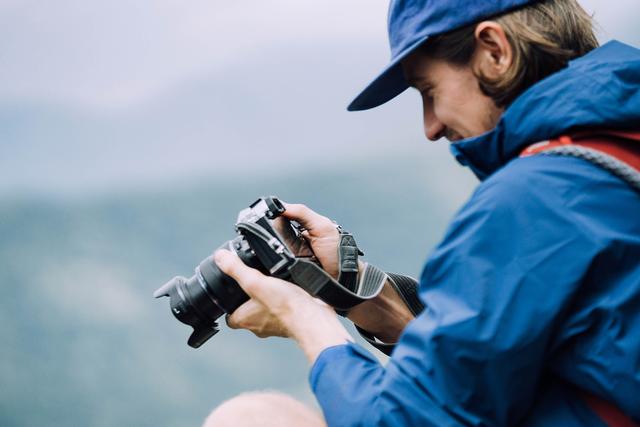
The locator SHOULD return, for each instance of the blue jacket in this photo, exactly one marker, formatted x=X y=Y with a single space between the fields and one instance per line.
x=535 y=289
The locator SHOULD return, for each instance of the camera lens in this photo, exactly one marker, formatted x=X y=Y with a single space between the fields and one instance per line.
x=200 y=300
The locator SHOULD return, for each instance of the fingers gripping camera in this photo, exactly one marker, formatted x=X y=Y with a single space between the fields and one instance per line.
x=275 y=246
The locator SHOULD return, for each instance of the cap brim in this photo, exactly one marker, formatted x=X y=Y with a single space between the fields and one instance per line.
x=389 y=84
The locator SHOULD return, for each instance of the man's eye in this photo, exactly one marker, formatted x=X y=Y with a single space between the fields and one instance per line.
x=427 y=92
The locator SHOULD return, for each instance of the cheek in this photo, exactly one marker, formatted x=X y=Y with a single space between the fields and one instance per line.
x=451 y=110
x=469 y=112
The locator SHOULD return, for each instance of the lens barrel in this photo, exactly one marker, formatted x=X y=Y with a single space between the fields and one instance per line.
x=201 y=299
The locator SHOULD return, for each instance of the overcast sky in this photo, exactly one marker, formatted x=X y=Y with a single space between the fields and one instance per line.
x=118 y=52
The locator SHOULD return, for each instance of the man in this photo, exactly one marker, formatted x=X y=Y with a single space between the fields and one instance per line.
x=532 y=297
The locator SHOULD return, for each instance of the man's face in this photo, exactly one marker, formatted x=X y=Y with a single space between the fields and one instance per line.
x=454 y=107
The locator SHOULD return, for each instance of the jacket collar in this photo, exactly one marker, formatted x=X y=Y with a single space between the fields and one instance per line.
x=600 y=89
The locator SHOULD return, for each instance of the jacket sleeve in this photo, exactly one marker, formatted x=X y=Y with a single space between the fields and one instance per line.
x=495 y=289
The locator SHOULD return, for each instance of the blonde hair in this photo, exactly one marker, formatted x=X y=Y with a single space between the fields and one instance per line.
x=544 y=37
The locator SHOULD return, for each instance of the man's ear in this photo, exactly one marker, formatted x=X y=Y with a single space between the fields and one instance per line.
x=493 y=55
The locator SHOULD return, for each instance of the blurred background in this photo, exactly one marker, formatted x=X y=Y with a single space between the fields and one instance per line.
x=131 y=134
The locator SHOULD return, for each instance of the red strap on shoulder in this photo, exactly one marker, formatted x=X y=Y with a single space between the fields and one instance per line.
x=608 y=413
x=623 y=145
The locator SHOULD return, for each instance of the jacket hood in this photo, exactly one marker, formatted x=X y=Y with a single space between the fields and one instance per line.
x=598 y=90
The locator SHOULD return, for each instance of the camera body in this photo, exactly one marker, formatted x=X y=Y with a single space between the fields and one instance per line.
x=265 y=241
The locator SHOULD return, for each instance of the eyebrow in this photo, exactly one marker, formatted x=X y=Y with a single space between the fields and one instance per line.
x=412 y=80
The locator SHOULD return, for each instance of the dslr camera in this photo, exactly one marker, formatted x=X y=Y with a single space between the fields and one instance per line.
x=271 y=243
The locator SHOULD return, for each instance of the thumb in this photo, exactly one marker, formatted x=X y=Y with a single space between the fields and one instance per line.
x=314 y=222
x=248 y=278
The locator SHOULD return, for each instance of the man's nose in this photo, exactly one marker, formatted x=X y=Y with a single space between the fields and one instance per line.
x=434 y=129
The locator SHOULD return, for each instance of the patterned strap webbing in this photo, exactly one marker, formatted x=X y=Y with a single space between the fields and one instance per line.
x=368 y=283
x=407 y=288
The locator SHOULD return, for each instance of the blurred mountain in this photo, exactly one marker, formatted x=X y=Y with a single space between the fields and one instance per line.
x=84 y=343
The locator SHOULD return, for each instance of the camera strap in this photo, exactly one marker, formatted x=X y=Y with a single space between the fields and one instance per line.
x=351 y=288
x=407 y=288
x=280 y=262
x=371 y=280
x=313 y=279
x=348 y=253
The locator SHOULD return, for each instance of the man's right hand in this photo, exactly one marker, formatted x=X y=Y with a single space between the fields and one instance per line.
x=384 y=316
x=321 y=234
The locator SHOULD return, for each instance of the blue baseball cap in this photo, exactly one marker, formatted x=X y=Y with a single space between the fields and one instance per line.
x=411 y=23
